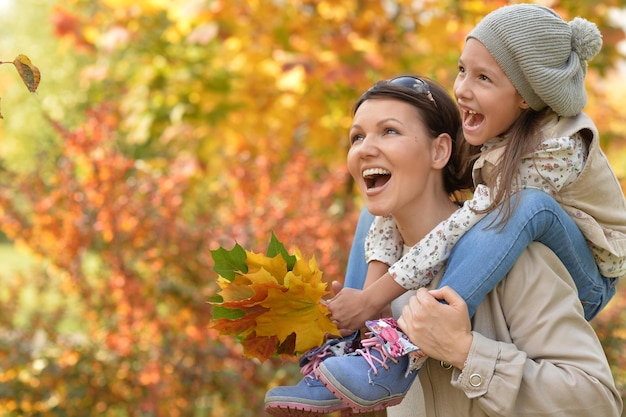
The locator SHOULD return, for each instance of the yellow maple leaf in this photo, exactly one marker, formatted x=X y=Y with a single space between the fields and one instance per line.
x=276 y=267
x=309 y=271
x=296 y=309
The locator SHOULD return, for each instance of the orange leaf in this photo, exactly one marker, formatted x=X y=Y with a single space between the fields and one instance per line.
x=246 y=290
x=29 y=73
x=242 y=326
x=260 y=347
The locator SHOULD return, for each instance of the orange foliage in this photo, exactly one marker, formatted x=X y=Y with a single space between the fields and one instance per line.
x=145 y=306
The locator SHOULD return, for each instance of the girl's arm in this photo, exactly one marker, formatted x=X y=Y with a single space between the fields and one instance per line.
x=423 y=261
x=383 y=246
x=351 y=308
x=375 y=270
x=383 y=242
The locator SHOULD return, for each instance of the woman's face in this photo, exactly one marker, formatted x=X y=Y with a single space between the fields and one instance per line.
x=392 y=157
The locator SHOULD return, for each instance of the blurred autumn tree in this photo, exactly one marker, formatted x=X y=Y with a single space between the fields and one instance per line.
x=205 y=122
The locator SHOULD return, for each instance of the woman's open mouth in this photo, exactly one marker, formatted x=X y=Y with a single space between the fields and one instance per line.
x=375 y=177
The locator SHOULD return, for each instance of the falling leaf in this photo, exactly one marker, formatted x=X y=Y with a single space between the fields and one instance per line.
x=29 y=73
x=270 y=303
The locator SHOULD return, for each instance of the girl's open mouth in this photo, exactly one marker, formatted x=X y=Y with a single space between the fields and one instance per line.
x=472 y=119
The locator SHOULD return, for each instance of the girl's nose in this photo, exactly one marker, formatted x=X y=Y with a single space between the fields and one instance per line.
x=461 y=88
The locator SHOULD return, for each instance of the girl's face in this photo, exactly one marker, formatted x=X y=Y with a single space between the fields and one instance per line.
x=393 y=158
x=488 y=100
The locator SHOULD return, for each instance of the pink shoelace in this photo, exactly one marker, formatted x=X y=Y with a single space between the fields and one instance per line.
x=308 y=370
x=416 y=357
x=373 y=344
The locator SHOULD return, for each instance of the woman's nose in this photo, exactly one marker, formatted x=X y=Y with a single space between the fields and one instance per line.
x=369 y=146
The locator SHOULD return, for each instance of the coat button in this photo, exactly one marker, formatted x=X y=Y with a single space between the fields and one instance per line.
x=475 y=380
x=445 y=365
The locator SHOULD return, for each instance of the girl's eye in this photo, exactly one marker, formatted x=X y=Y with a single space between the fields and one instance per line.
x=484 y=77
x=461 y=69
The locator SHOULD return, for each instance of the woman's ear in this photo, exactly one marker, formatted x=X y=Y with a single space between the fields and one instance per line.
x=442 y=150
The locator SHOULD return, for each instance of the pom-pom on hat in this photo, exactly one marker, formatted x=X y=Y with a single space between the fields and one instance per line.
x=544 y=57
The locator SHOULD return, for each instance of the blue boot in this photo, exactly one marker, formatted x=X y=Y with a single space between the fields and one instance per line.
x=310 y=396
x=370 y=379
x=332 y=347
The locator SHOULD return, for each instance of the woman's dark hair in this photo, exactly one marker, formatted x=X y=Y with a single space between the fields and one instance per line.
x=440 y=114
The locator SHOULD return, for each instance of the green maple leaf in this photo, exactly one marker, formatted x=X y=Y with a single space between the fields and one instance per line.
x=227 y=313
x=276 y=247
x=227 y=263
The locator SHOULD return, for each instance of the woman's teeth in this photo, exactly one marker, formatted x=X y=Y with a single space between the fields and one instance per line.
x=375 y=171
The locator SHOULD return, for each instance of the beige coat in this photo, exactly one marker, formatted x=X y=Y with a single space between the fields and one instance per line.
x=533 y=352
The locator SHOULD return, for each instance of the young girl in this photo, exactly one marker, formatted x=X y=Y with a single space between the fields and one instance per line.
x=521 y=91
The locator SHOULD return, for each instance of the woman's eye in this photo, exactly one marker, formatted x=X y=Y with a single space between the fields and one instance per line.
x=356 y=138
x=390 y=131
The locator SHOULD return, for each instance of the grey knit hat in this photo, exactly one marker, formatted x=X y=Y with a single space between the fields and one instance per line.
x=544 y=56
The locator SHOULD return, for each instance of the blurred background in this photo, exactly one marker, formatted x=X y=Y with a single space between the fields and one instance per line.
x=164 y=129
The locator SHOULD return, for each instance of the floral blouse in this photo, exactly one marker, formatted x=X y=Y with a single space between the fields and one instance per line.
x=554 y=164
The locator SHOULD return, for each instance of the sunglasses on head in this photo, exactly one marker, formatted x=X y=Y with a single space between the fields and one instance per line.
x=414 y=83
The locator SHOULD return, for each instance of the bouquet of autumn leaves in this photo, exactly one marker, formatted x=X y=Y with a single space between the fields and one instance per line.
x=270 y=303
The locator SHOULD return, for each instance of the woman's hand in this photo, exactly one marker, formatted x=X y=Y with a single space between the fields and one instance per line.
x=442 y=331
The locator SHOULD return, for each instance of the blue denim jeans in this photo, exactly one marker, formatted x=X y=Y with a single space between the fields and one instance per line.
x=356 y=270
x=484 y=255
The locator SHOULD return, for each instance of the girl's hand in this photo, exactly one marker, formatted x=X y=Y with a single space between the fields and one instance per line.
x=442 y=331
x=349 y=309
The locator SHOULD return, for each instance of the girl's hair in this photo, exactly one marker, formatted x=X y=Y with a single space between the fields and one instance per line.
x=439 y=114
x=522 y=138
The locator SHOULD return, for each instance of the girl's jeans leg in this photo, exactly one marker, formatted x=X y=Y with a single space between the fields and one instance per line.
x=357 y=267
x=484 y=255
